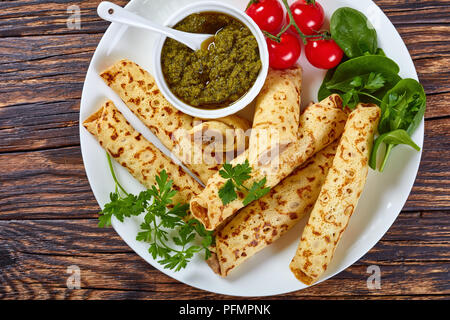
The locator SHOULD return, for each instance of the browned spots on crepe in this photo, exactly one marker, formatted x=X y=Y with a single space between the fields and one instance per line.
x=338 y=197
x=139 y=156
x=316 y=136
x=137 y=88
x=265 y=221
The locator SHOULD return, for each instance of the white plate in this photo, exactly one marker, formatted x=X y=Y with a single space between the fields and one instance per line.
x=268 y=272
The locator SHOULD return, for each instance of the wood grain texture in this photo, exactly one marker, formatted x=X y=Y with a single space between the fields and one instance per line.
x=44 y=249
x=48 y=213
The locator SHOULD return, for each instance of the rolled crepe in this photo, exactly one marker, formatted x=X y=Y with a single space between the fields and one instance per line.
x=141 y=158
x=338 y=196
x=266 y=220
x=138 y=89
x=277 y=111
x=320 y=125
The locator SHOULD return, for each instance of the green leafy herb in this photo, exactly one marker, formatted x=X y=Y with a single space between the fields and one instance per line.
x=367 y=75
x=391 y=139
x=323 y=91
x=362 y=85
x=374 y=82
x=161 y=223
x=403 y=108
x=236 y=176
x=228 y=192
x=353 y=32
x=256 y=191
x=362 y=79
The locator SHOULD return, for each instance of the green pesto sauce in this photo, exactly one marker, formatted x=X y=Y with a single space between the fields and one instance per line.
x=222 y=71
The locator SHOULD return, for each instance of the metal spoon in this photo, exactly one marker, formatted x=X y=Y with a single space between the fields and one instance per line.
x=111 y=12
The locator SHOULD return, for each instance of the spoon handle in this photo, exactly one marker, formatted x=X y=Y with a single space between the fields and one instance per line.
x=111 y=12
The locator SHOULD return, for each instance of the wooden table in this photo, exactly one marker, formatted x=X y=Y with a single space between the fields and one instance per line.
x=48 y=218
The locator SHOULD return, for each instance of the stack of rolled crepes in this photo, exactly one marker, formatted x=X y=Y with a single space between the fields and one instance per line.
x=318 y=126
x=309 y=167
x=176 y=130
x=142 y=159
x=338 y=196
x=334 y=169
x=267 y=219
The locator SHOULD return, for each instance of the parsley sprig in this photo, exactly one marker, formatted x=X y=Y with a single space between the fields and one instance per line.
x=161 y=224
x=236 y=176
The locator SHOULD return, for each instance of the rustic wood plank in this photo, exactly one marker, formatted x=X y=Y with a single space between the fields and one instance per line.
x=43 y=184
x=57 y=73
x=40 y=125
x=429 y=226
x=35 y=256
x=42 y=176
x=40 y=293
x=27 y=81
x=426 y=41
x=22 y=18
x=437 y=105
x=48 y=125
x=55 y=124
x=31 y=17
x=83 y=238
x=432 y=186
x=52 y=183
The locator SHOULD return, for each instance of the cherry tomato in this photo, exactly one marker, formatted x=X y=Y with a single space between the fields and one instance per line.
x=323 y=54
x=284 y=54
x=308 y=16
x=268 y=14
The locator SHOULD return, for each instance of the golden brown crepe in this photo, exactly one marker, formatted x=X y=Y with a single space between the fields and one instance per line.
x=130 y=149
x=277 y=111
x=338 y=196
x=320 y=125
x=137 y=88
x=266 y=220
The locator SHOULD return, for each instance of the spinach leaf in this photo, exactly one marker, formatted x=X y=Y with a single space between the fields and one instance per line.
x=362 y=79
x=353 y=32
x=323 y=91
x=391 y=139
x=364 y=65
x=404 y=105
x=380 y=52
x=403 y=108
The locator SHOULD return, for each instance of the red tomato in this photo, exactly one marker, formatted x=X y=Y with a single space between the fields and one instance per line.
x=323 y=54
x=268 y=14
x=284 y=54
x=308 y=17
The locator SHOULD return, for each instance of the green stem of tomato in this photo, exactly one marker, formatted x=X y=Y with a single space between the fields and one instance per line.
x=292 y=23
x=271 y=36
x=277 y=38
x=251 y=2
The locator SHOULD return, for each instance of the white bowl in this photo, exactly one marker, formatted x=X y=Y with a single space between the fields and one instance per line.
x=212 y=6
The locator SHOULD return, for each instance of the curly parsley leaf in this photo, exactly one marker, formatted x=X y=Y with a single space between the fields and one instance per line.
x=236 y=176
x=239 y=173
x=256 y=191
x=374 y=82
x=228 y=192
x=163 y=220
